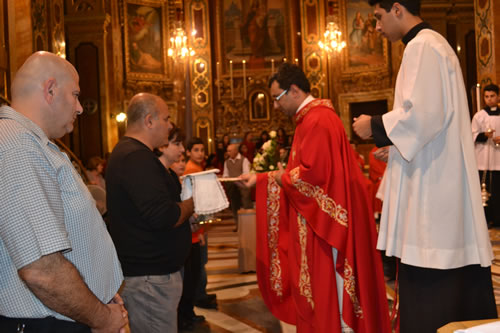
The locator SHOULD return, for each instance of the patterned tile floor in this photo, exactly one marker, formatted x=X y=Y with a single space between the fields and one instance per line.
x=241 y=308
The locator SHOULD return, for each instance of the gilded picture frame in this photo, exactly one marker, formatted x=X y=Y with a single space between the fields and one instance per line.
x=367 y=49
x=145 y=39
x=258 y=105
x=257 y=31
x=345 y=101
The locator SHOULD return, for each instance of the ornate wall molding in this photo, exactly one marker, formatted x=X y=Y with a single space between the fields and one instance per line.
x=315 y=62
x=485 y=50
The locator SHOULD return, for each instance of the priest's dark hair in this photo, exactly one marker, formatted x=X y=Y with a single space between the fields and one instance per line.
x=492 y=87
x=289 y=74
x=413 y=6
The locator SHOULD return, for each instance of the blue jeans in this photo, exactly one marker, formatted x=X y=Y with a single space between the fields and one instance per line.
x=151 y=302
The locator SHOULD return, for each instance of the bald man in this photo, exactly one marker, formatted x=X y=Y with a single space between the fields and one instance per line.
x=60 y=271
x=234 y=166
x=147 y=222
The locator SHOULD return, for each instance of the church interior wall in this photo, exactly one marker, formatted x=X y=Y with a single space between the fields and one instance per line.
x=219 y=97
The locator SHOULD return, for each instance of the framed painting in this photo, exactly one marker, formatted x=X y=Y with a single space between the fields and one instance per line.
x=258 y=105
x=366 y=48
x=145 y=46
x=256 y=31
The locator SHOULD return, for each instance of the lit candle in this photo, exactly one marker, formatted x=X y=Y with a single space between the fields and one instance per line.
x=244 y=80
x=218 y=80
x=272 y=66
x=231 y=77
x=478 y=97
x=297 y=61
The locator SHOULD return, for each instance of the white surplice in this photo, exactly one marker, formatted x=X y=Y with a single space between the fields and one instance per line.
x=432 y=214
x=487 y=153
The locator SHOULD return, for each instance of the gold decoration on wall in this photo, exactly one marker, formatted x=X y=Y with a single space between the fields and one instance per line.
x=314 y=63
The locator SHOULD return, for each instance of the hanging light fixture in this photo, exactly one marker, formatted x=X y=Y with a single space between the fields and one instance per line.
x=332 y=39
x=178 y=47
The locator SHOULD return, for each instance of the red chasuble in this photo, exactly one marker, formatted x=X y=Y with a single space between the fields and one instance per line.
x=323 y=204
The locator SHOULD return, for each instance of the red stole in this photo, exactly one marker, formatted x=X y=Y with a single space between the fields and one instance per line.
x=323 y=204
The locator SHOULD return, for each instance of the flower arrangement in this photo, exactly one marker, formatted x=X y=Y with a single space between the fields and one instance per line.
x=267 y=158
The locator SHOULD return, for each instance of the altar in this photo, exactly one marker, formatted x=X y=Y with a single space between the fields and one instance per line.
x=247 y=241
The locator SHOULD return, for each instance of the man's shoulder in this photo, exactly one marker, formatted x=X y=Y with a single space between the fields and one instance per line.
x=428 y=38
x=480 y=114
x=13 y=136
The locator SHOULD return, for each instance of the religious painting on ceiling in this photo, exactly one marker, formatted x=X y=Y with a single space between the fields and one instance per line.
x=366 y=48
x=255 y=31
x=144 y=40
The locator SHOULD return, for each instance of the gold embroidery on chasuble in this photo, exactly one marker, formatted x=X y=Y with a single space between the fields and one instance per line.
x=273 y=216
x=350 y=289
x=325 y=203
x=304 y=277
x=317 y=102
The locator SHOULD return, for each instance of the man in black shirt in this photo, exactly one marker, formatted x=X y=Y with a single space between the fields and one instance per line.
x=147 y=218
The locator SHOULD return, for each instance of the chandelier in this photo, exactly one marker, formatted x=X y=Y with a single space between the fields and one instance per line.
x=332 y=39
x=178 y=47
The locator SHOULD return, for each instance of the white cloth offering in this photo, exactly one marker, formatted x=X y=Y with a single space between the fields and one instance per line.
x=485 y=328
x=208 y=195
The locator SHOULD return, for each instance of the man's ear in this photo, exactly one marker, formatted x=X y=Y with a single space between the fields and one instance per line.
x=398 y=9
x=148 y=120
x=49 y=87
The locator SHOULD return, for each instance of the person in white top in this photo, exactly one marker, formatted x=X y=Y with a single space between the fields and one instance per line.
x=239 y=195
x=486 y=136
x=432 y=215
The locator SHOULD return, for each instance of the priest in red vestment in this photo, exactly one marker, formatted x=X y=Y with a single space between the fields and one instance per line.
x=317 y=265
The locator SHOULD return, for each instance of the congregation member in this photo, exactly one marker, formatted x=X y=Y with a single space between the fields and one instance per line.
x=250 y=146
x=95 y=171
x=195 y=275
x=59 y=272
x=239 y=195
x=147 y=219
x=317 y=266
x=432 y=218
x=486 y=136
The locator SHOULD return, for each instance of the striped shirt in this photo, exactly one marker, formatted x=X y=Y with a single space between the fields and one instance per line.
x=46 y=208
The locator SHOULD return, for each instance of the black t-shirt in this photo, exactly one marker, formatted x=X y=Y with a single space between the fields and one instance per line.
x=142 y=210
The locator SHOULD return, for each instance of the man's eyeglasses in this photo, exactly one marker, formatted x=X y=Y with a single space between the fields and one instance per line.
x=277 y=98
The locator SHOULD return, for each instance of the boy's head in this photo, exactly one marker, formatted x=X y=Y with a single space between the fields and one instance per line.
x=180 y=166
x=491 y=97
x=195 y=150
x=413 y=6
x=395 y=18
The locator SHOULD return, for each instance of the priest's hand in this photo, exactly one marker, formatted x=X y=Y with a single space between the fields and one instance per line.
x=382 y=154
x=362 y=126
x=249 y=179
x=278 y=173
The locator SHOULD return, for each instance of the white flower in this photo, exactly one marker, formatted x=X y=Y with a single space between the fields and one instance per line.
x=271 y=167
x=272 y=134
x=266 y=145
